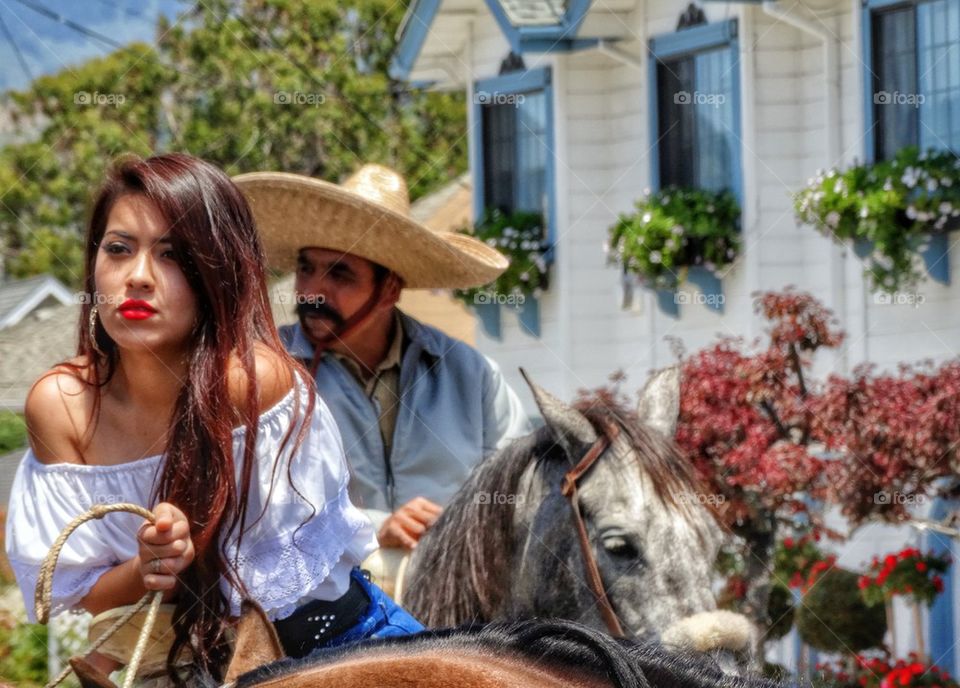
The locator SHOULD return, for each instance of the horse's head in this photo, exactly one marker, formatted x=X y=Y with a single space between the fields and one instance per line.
x=508 y=545
x=653 y=538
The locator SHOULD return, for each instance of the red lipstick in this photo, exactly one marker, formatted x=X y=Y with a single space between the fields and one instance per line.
x=135 y=309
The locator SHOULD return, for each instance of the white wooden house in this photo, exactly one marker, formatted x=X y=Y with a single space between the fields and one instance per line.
x=622 y=95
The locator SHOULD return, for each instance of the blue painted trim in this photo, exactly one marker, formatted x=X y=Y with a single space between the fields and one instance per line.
x=518 y=82
x=529 y=316
x=653 y=117
x=559 y=37
x=489 y=314
x=506 y=26
x=941 y=619
x=710 y=286
x=936 y=257
x=875 y=4
x=693 y=39
x=475 y=141
x=551 y=177
x=737 y=185
x=419 y=19
x=668 y=303
x=862 y=248
x=576 y=13
x=869 y=121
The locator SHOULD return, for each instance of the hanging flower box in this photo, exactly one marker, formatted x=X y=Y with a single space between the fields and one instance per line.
x=678 y=235
x=892 y=211
x=520 y=237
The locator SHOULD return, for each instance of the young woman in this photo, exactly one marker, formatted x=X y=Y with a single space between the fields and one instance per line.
x=182 y=399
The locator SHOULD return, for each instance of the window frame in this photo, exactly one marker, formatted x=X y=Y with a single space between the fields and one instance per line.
x=867 y=13
x=690 y=41
x=513 y=83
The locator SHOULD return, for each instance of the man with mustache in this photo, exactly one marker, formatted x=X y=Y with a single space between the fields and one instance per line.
x=416 y=408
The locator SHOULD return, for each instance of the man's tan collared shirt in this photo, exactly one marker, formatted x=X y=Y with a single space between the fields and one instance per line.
x=383 y=385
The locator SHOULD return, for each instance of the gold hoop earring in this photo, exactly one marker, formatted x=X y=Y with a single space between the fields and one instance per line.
x=92 y=323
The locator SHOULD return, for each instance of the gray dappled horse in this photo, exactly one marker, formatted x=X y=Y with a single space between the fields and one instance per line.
x=507 y=545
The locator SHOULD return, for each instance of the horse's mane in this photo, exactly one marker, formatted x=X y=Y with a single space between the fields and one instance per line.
x=557 y=644
x=463 y=557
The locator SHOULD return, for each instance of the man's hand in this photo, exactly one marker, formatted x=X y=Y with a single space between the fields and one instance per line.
x=407 y=524
x=165 y=548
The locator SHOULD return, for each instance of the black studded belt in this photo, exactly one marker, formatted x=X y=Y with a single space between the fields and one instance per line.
x=314 y=624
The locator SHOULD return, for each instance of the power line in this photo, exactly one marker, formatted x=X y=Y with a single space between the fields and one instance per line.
x=60 y=19
x=20 y=56
x=126 y=10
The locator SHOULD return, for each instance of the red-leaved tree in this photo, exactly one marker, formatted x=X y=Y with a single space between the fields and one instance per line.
x=898 y=436
x=747 y=422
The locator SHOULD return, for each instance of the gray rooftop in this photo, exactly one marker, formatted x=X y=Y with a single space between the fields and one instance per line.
x=22 y=296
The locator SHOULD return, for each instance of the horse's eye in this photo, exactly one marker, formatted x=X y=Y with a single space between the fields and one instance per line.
x=619 y=545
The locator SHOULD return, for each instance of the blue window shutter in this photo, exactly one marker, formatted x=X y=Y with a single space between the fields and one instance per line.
x=942 y=624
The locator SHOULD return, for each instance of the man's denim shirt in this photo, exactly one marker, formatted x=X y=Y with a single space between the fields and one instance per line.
x=455 y=409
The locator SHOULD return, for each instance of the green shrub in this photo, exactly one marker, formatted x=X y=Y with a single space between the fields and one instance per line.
x=13 y=431
x=675 y=229
x=892 y=204
x=23 y=655
x=834 y=618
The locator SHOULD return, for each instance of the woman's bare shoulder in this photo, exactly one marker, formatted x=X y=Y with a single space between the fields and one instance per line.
x=274 y=374
x=57 y=412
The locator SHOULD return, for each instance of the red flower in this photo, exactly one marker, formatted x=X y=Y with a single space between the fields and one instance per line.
x=788 y=542
x=938 y=583
x=921 y=567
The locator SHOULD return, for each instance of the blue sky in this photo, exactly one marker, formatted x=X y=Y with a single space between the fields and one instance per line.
x=49 y=46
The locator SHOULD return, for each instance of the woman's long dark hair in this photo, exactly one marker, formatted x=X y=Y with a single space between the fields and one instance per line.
x=214 y=236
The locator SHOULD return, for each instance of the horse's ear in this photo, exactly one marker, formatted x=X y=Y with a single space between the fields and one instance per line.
x=257 y=642
x=659 y=405
x=570 y=428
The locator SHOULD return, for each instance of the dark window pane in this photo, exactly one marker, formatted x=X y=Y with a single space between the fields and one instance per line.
x=676 y=125
x=499 y=155
x=895 y=81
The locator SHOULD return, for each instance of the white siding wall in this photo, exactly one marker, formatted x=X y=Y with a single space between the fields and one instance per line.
x=603 y=164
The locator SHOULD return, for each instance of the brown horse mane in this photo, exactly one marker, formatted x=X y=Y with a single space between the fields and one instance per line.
x=460 y=567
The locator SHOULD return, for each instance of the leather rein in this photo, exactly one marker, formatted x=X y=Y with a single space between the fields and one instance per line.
x=569 y=490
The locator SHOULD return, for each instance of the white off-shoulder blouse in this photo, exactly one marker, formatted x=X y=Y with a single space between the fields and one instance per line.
x=303 y=547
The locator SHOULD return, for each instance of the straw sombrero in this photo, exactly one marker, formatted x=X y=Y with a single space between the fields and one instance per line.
x=368 y=216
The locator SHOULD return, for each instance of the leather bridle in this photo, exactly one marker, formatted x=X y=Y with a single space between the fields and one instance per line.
x=569 y=490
